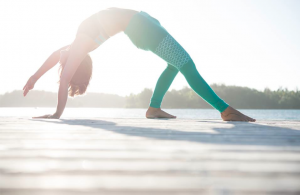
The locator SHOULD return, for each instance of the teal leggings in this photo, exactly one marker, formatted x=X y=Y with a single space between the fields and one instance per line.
x=147 y=34
x=194 y=79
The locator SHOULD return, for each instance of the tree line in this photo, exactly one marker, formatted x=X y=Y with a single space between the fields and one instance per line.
x=238 y=97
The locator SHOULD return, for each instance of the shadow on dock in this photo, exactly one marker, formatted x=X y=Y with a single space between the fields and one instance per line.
x=239 y=133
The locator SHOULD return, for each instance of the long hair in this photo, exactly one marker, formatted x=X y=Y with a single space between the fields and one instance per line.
x=82 y=76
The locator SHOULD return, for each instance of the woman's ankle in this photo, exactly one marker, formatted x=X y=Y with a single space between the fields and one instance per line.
x=226 y=110
x=153 y=108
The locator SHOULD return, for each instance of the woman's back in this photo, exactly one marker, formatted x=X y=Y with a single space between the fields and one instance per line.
x=114 y=20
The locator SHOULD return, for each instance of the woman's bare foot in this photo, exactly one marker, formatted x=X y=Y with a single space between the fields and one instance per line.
x=157 y=113
x=231 y=114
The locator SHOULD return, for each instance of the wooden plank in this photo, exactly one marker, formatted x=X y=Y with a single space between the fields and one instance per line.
x=140 y=156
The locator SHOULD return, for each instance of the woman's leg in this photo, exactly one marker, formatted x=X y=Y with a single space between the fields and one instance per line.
x=164 y=82
x=199 y=85
x=173 y=53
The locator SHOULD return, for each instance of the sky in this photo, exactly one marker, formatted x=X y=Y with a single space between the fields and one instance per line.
x=245 y=43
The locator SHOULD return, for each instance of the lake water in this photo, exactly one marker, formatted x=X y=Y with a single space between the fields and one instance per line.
x=140 y=113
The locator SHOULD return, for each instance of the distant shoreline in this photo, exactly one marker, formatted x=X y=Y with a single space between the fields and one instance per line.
x=186 y=98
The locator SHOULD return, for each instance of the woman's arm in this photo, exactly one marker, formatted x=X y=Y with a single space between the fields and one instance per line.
x=52 y=60
x=74 y=59
x=47 y=65
x=81 y=46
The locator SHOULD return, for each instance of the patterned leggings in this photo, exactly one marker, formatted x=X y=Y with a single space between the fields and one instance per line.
x=147 y=34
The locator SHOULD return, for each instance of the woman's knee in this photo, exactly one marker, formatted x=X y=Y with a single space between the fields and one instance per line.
x=172 y=68
x=189 y=68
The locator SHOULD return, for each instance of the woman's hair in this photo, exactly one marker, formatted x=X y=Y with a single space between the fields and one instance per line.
x=82 y=76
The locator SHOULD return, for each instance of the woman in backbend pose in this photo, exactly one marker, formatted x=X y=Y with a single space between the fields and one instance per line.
x=146 y=33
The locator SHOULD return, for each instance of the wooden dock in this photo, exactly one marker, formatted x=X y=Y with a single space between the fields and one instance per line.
x=146 y=156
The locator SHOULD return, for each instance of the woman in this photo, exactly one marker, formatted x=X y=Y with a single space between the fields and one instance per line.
x=146 y=33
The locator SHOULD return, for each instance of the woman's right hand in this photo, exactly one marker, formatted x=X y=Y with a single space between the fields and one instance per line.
x=29 y=85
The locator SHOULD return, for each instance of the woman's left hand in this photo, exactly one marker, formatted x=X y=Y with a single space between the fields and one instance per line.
x=29 y=85
x=48 y=116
